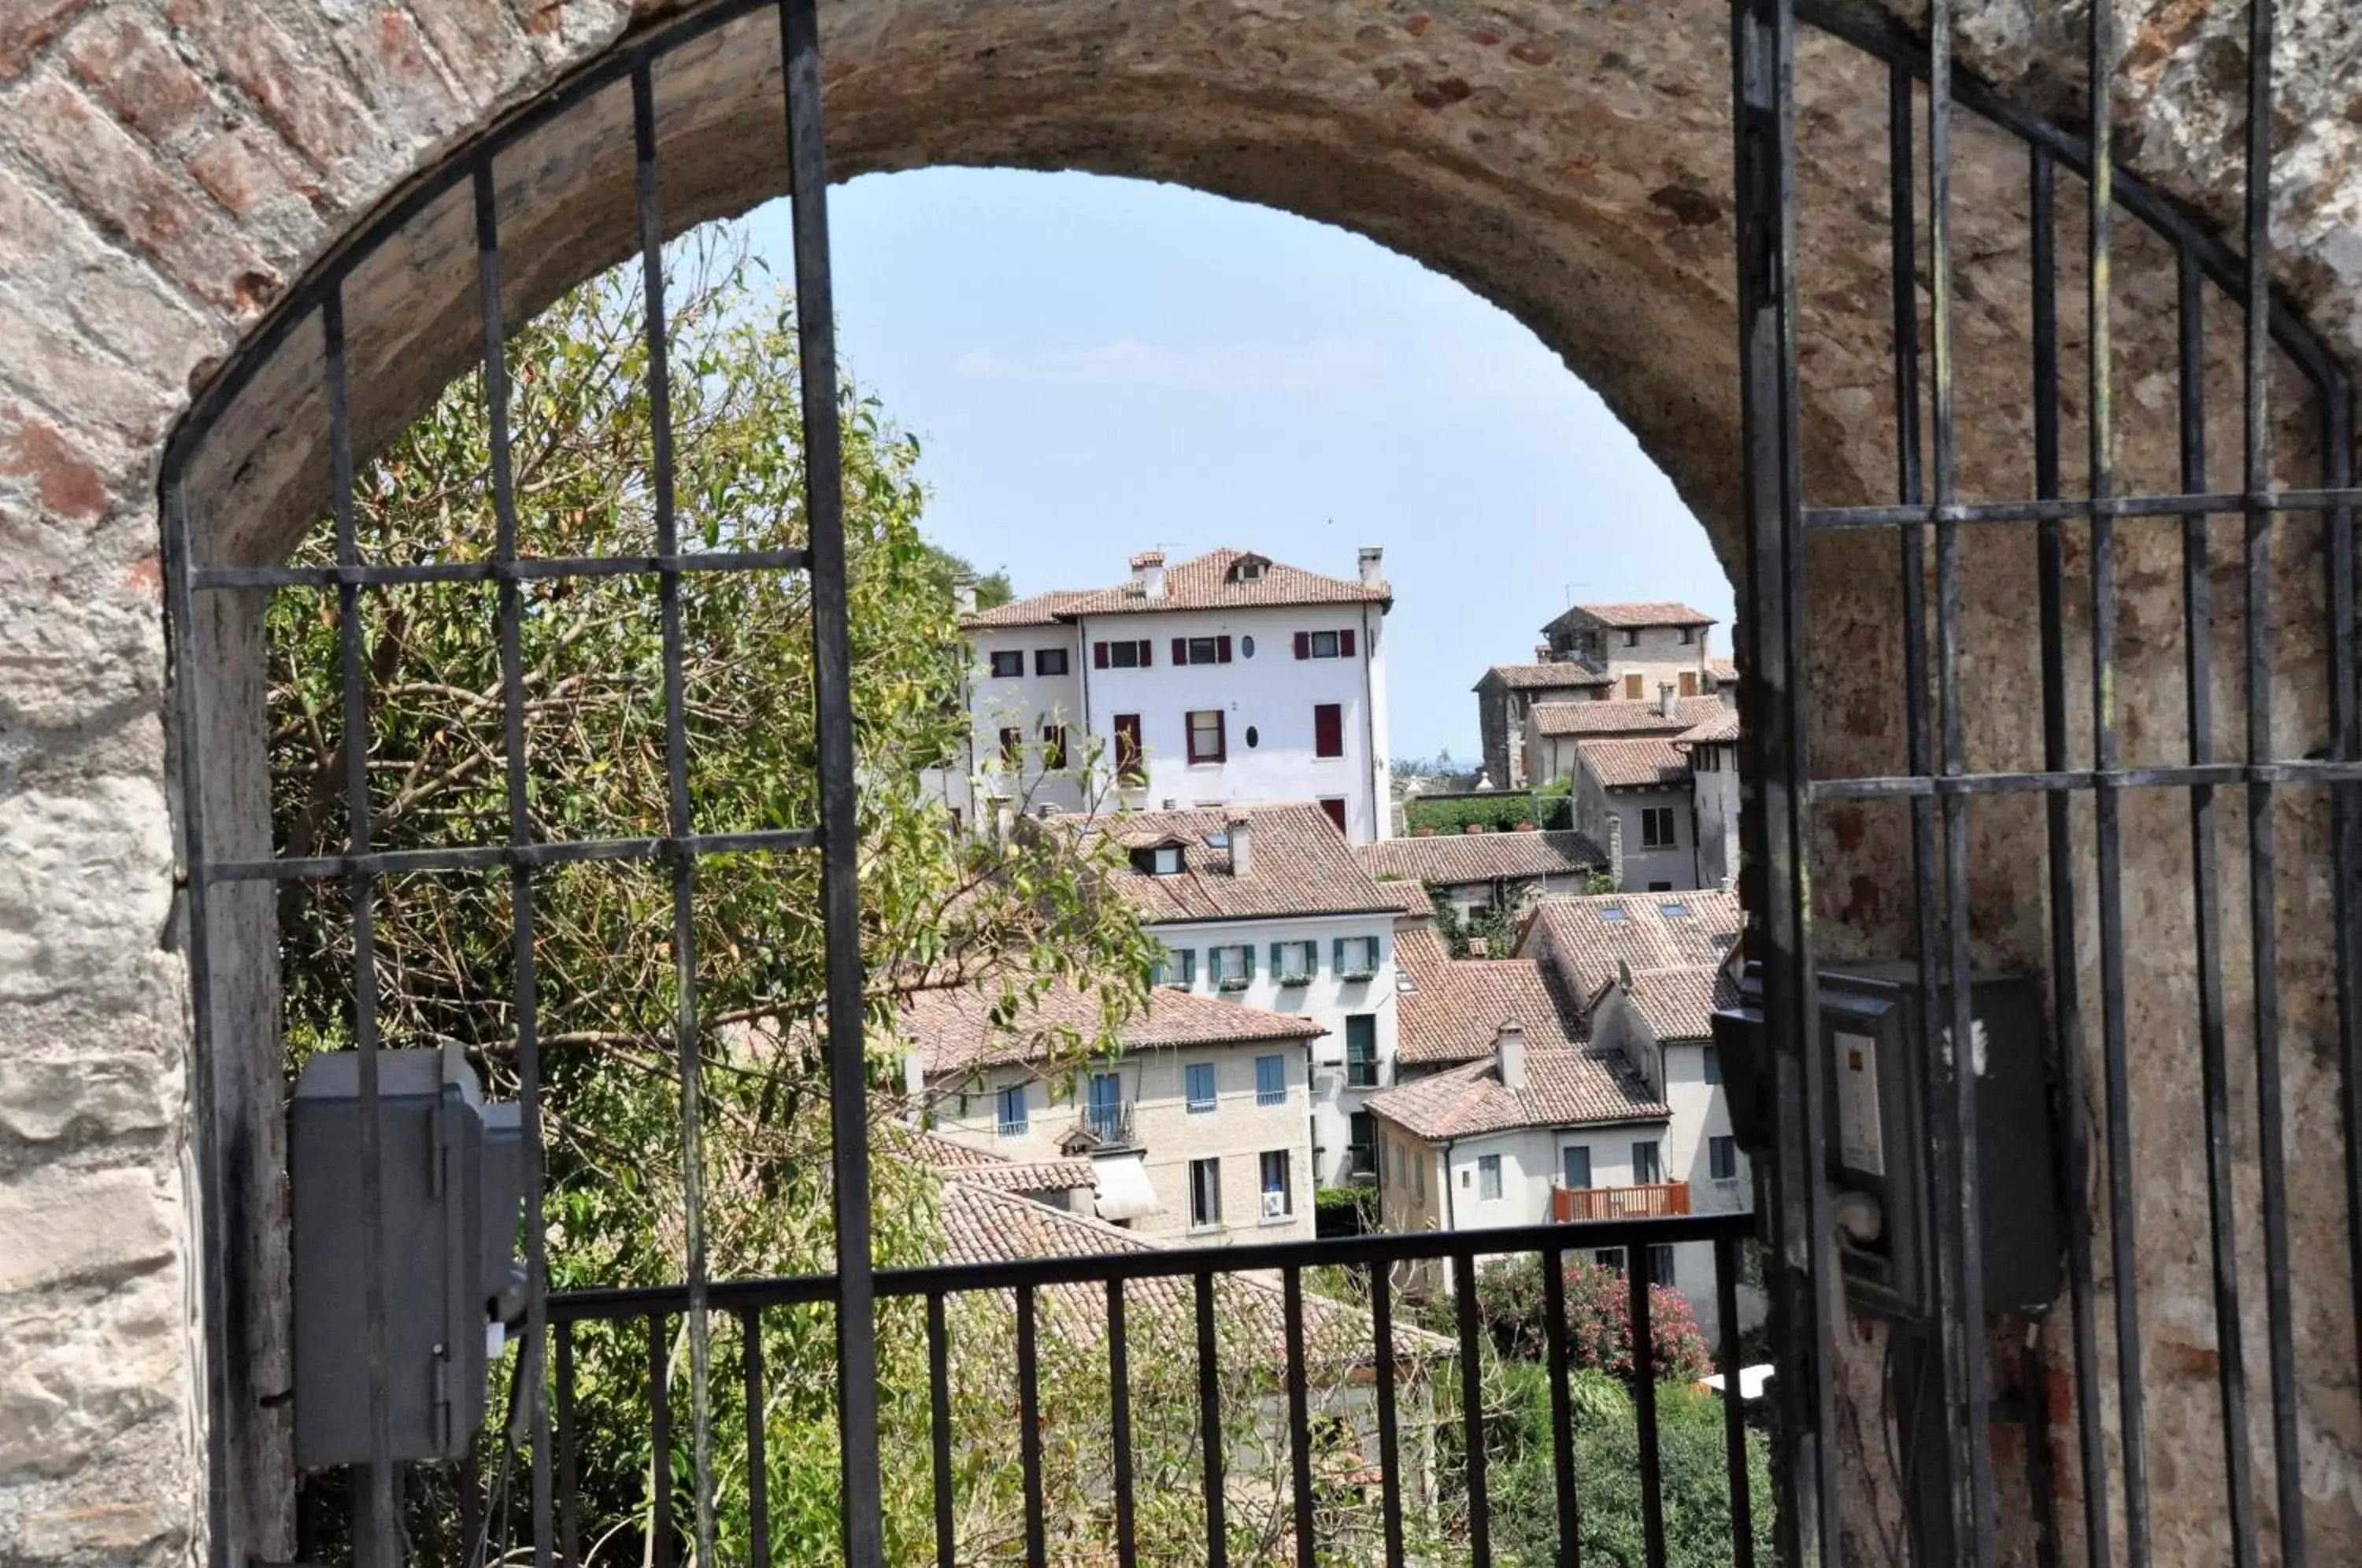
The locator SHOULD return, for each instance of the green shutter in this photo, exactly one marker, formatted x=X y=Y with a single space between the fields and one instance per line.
x=1247 y=951
x=1312 y=960
x=1214 y=965
x=1340 y=955
x=1278 y=959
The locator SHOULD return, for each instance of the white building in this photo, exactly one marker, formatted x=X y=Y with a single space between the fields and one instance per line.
x=1266 y=906
x=1227 y=680
x=1198 y=1130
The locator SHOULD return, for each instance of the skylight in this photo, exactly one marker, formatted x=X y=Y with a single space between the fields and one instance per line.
x=1676 y=911
x=1612 y=915
x=1218 y=841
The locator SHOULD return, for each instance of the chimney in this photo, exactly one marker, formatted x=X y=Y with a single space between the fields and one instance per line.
x=1665 y=698
x=1241 y=831
x=1509 y=1047
x=964 y=598
x=1542 y=654
x=1373 y=564
x=1615 y=849
x=1480 y=947
x=1148 y=571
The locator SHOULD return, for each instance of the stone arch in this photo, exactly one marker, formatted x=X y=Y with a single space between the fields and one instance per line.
x=1571 y=166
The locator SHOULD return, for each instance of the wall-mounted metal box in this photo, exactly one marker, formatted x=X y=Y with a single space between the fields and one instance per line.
x=450 y=1208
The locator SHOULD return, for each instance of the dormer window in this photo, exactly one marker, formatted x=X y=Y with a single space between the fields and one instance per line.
x=1159 y=860
x=1249 y=568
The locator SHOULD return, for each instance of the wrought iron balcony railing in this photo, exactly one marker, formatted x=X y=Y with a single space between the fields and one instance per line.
x=1110 y=1124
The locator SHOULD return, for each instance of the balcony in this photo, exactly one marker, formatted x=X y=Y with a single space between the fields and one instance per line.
x=1112 y=1125
x=1655 y=1200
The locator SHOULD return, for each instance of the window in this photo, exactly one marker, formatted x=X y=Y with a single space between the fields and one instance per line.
x=1574 y=1165
x=1049 y=661
x=1647 y=1168
x=1233 y=967
x=1362 y=1145
x=1328 y=729
x=1205 y=735
x=1657 y=827
x=1176 y=968
x=1361 y=1050
x=1357 y=957
x=1324 y=645
x=1710 y=1065
x=1661 y=1264
x=1661 y=886
x=1333 y=806
x=1689 y=681
x=1418 y=1174
x=1252 y=737
x=1201 y=1085
x=1609 y=1258
x=1159 y=860
x=1054 y=747
x=1249 y=570
x=1246 y=647
x=1672 y=909
x=1125 y=655
x=1131 y=757
x=1201 y=650
x=1722 y=1158
x=1488 y=1175
x=1271 y=1080
x=1204 y=1193
x=1012 y=745
x=1631 y=686
x=1103 y=1110
x=1277 y=1186
x=1012 y=1111
x=1005 y=665
x=1632 y=639
x=1294 y=963
x=1689 y=634
x=1612 y=914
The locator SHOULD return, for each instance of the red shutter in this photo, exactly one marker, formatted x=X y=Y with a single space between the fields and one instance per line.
x=1127 y=746
x=1303 y=644
x=1328 y=729
x=1345 y=644
x=1221 y=738
x=1221 y=650
x=1180 y=650
x=1146 y=647
x=1336 y=810
x=1099 y=655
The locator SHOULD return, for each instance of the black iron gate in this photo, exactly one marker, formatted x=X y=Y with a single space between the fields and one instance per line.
x=1941 y=787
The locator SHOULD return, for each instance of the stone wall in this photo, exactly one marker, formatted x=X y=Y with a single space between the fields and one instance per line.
x=170 y=167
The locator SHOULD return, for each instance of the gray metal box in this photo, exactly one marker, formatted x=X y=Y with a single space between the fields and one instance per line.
x=453 y=1173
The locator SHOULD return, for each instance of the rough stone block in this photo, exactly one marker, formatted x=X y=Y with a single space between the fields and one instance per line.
x=106 y=1097
x=58 y=1225
x=131 y=65
x=86 y=880
x=305 y=97
x=26 y=29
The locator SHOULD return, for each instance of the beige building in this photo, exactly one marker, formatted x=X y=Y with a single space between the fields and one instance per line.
x=1656 y=783
x=1199 y=1128
x=1594 y=653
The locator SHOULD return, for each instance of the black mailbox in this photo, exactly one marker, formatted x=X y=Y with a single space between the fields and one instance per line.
x=452 y=1202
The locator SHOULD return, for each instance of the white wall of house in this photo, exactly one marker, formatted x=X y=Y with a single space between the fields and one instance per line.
x=1237 y=1132
x=1026 y=702
x=1326 y=998
x=1715 y=796
x=1675 y=863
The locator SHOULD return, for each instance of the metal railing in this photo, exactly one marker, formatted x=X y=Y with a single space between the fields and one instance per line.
x=1650 y=1201
x=1110 y=1124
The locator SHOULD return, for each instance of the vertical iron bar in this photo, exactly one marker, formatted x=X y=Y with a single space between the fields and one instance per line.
x=758 y=1473
x=2262 y=847
x=1734 y=1414
x=383 y=1550
x=1472 y=1401
x=471 y=1500
x=569 y=1502
x=1299 y=1420
x=660 y=1444
x=2065 y=986
x=1382 y=1332
x=688 y=1060
x=1127 y=1550
x=524 y=985
x=1777 y=778
x=939 y=1409
x=1637 y=1274
x=2346 y=805
x=2123 y=1243
x=2222 y=1194
x=1029 y=1429
x=1209 y=1422
x=856 y=1326
x=1570 y=1519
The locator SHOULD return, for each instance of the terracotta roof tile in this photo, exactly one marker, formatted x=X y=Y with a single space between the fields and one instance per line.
x=1544 y=677
x=1448 y=858
x=1563 y=1088
x=1722 y=669
x=1588 y=937
x=1648 y=761
x=1035 y=610
x=1722 y=729
x=1634 y=718
x=1449 y=1009
x=1634 y=613
x=1300 y=865
x=956 y=1030
x=1204 y=583
x=948 y=1157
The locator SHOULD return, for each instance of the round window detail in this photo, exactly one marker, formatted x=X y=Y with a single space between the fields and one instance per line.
x=1246 y=650
x=1250 y=737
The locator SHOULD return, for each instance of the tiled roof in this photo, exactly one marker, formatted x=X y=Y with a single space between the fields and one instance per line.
x=1415 y=903
x=1454 y=1007
x=1300 y=865
x=1722 y=669
x=1634 y=718
x=1455 y=857
x=1636 y=613
x=983 y=1226
x=1588 y=936
x=1680 y=1003
x=1722 y=729
x=1544 y=677
x=1036 y=610
x=1563 y=1088
x=950 y=1158
x=957 y=1028
x=1648 y=762
x=1204 y=583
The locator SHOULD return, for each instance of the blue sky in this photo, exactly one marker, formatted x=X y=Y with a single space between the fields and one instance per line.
x=1094 y=367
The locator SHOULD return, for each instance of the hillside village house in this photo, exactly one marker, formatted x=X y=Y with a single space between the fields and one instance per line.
x=1266 y=905
x=1594 y=653
x=1469 y=871
x=1226 y=679
x=1656 y=782
x=1450 y=1008
x=1196 y=1130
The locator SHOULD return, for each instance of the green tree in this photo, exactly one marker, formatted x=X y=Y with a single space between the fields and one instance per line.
x=947 y=571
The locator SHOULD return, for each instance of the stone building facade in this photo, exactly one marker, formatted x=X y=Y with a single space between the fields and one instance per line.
x=169 y=173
